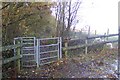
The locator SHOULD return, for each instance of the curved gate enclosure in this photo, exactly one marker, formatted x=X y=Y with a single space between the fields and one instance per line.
x=39 y=51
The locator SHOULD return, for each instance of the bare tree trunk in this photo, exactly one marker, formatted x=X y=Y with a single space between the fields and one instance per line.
x=69 y=19
x=66 y=14
x=63 y=20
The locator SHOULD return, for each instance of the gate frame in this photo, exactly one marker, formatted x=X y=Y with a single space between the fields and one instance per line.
x=37 y=47
x=59 y=49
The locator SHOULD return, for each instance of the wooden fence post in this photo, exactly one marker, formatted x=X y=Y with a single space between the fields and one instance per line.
x=86 y=48
x=89 y=31
x=18 y=61
x=95 y=32
x=66 y=52
x=104 y=37
x=107 y=33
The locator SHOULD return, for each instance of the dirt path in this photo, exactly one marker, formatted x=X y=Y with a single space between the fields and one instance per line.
x=101 y=65
x=92 y=66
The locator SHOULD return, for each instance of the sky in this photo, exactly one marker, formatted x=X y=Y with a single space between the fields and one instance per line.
x=99 y=15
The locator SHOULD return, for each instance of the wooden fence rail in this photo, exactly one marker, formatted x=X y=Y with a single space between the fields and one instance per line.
x=5 y=48
x=11 y=59
x=16 y=58
x=100 y=36
x=86 y=44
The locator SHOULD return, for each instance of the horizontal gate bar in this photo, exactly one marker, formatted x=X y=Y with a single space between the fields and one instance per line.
x=28 y=40
x=48 y=52
x=48 y=38
x=25 y=37
x=28 y=66
x=28 y=54
x=27 y=43
x=47 y=63
x=29 y=60
x=28 y=47
x=48 y=45
x=48 y=57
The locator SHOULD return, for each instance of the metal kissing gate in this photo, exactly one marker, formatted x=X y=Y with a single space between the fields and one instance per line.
x=38 y=52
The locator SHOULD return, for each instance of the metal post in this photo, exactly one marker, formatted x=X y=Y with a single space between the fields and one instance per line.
x=35 y=56
x=60 y=41
x=119 y=51
x=37 y=53
x=21 y=43
x=86 y=48
x=58 y=49
x=14 y=44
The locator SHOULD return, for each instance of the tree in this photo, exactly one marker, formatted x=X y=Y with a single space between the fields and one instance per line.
x=26 y=19
x=66 y=13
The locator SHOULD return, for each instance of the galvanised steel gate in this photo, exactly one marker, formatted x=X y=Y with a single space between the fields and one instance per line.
x=48 y=50
x=38 y=52
x=28 y=51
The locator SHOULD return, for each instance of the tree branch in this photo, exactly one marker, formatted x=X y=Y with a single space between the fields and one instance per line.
x=5 y=6
x=25 y=16
x=75 y=12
